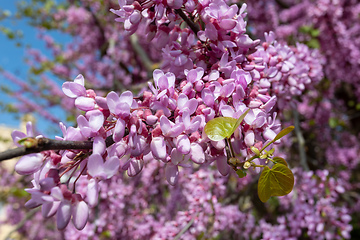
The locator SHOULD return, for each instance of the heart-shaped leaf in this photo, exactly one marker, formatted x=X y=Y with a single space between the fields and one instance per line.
x=283 y=133
x=219 y=128
x=223 y=127
x=277 y=181
x=280 y=161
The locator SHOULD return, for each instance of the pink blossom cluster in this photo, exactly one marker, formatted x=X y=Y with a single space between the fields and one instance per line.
x=291 y=70
x=338 y=34
x=196 y=199
x=164 y=124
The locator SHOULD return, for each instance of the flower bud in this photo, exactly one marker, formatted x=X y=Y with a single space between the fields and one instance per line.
x=247 y=165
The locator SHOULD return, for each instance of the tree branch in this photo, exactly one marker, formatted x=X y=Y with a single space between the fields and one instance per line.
x=301 y=140
x=190 y=23
x=45 y=144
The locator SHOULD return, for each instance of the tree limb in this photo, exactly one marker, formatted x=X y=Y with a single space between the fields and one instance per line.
x=45 y=144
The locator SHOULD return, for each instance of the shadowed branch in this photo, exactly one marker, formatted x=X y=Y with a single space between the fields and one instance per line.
x=45 y=144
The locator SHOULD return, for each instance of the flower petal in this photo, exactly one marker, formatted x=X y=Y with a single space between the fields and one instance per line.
x=63 y=215
x=96 y=119
x=197 y=153
x=49 y=209
x=135 y=167
x=73 y=90
x=29 y=164
x=96 y=166
x=92 y=192
x=158 y=148
x=112 y=100
x=171 y=173
x=99 y=145
x=80 y=214
x=223 y=167
x=176 y=156
x=183 y=144
x=119 y=130
x=111 y=166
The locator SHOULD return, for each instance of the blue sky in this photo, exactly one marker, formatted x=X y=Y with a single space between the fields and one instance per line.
x=12 y=60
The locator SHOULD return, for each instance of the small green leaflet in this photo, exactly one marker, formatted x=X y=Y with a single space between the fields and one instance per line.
x=278 y=136
x=219 y=128
x=28 y=142
x=241 y=173
x=222 y=127
x=283 y=133
x=240 y=119
x=277 y=181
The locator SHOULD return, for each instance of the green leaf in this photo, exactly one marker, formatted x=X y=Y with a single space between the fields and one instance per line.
x=277 y=181
x=271 y=152
x=357 y=106
x=240 y=119
x=219 y=128
x=283 y=133
x=280 y=161
x=315 y=32
x=241 y=173
x=223 y=127
x=106 y=234
x=305 y=28
x=19 y=193
x=313 y=43
x=333 y=122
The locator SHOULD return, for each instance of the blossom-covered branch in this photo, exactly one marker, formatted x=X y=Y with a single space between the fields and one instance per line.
x=37 y=145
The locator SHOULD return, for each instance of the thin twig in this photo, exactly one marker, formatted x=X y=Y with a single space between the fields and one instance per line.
x=146 y=61
x=228 y=152
x=190 y=23
x=187 y=226
x=301 y=140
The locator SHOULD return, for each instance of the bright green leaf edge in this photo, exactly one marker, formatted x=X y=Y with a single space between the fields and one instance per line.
x=240 y=119
x=280 y=161
x=283 y=133
x=278 y=136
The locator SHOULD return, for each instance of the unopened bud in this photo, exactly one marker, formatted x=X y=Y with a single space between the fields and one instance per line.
x=28 y=142
x=255 y=150
x=233 y=161
x=247 y=165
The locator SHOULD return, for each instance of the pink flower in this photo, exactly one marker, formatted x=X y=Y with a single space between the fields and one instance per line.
x=77 y=91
